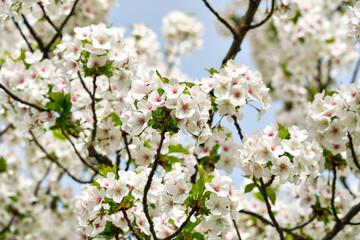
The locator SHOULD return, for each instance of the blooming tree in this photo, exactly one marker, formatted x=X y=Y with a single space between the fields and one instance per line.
x=84 y=102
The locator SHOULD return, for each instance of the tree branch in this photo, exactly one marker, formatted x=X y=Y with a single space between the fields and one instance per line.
x=33 y=33
x=341 y=224
x=222 y=20
x=237 y=229
x=353 y=154
x=37 y=188
x=77 y=152
x=263 y=192
x=333 y=190
x=264 y=220
x=303 y=224
x=93 y=133
x=9 y=223
x=271 y=180
x=148 y=183
x=23 y=36
x=83 y=84
x=343 y=181
x=266 y=18
x=59 y=32
x=55 y=161
x=242 y=29
x=16 y=98
x=238 y=128
x=47 y=17
x=6 y=129
x=130 y=225
x=193 y=210
x=124 y=134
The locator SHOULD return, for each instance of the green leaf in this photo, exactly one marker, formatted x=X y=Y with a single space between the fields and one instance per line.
x=178 y=149
x=104 y=170
x=201 y=181
x=286 y=72
x=58 y=134
x=330 y=93
x=161 y=91
x=283 y=132
x=331 y=40
x=172 y=160
x=211 y=71
x=115 y=119
x=163 y=79
x=296 y=17
x=249 y=187
x=3 y=164
x=271 y=195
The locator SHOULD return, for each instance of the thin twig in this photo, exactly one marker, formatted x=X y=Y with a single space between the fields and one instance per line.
x=222 y=20
x=93 y=102
x=353 y=154
x=118 y=159
x=37 y=188
x=46 y=16
x=148 y=183
x=59 y=32
x=99 y=157
x=271 y=180
x=16 y=98
x=130 y=225
x=237 y=229
x=174 y=234
x=266 y=18
x=303 y=224
x=343 y=181
x=127 y=150
x=333 y=190
x=238 y=128
x=263 y=192
x=55 y=161
x=23 y=36
x=264 y=220
x=242 y=29
x=83 y=84
x=341 y=224
x=9 y=223
x=6 y=129
x=78 y=153
x=33 y=33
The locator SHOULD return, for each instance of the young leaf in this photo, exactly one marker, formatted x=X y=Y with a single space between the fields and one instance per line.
x=283 y=132
x=2 y=164
x=178 y=149
x=249 y=187
x=163 y=79
x=272 y=195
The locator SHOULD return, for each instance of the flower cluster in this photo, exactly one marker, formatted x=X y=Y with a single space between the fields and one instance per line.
x=334 y=117
x=301 y=51
x=354 y=21
x=182 y=32
x=118 y=198
x=289 y=155
x=234 y=86
x=88 y=12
